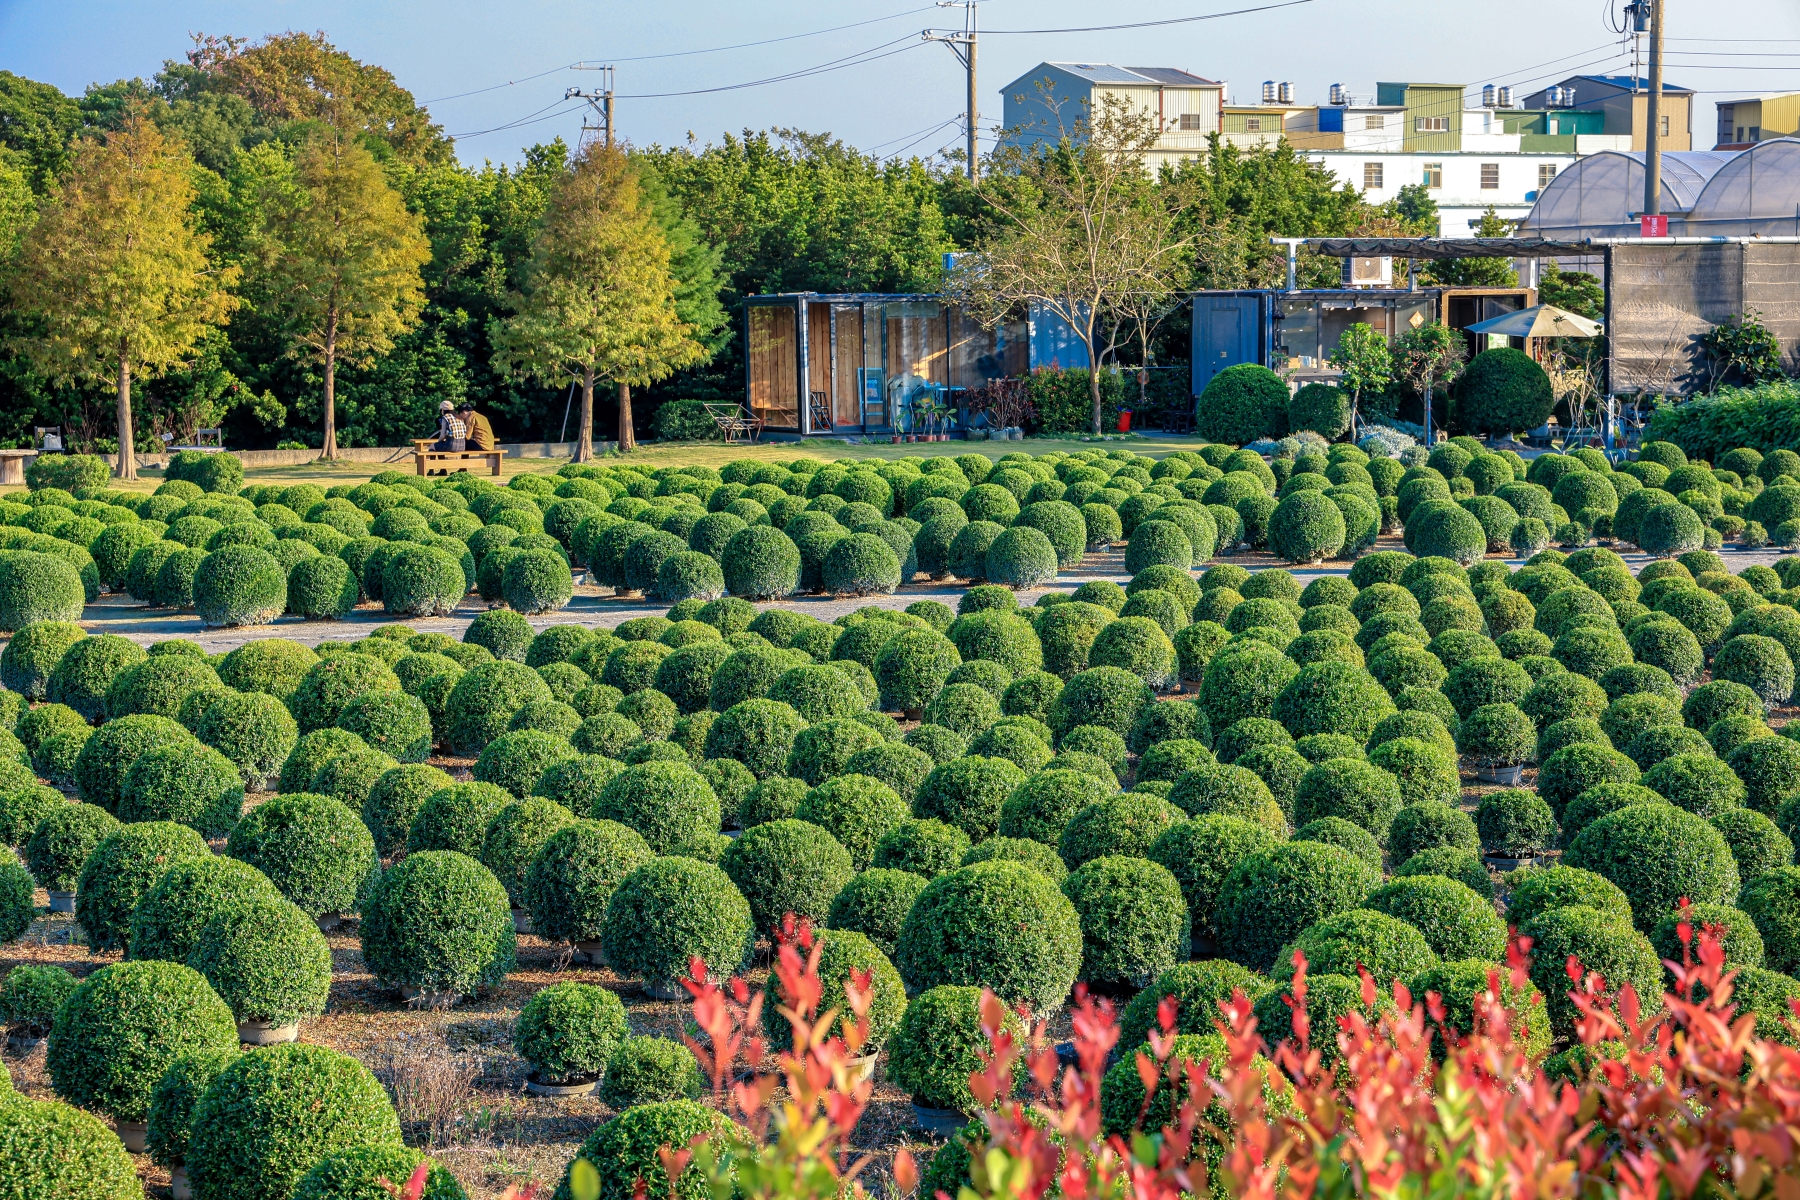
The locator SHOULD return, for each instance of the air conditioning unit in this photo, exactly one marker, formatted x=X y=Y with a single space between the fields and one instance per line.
x=1368 y=272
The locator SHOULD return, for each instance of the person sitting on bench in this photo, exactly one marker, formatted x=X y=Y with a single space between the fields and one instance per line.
x=452 y=433
x=480 y=434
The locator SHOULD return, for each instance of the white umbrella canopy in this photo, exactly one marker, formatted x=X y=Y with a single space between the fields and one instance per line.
x=1543 y=320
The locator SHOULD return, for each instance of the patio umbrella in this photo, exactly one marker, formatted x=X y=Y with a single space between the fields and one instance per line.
x=1543 y=320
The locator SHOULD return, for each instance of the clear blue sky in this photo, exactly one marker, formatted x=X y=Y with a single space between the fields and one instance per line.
x=448 y=47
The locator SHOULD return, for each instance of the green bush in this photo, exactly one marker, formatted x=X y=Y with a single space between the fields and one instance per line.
x=570 y=1031
x=503 y=632
x=1038 y=808
x=438 y=921
x=37 y=587
x=239 y=585
x=939 y=1044
x=671 y=910
x=668 y=803
x=330 y=685
x=315 y=850
x=1657 y=854
x=761 y=563
x=1760 y=664
x=1699 y=783
x=357 y=1174
x=32 y=653
x=924 y=847
x=1448 y=531
x=875 y=903
x=1515 y=823
x=254 y=731
x=514 y=837
x=1428 y=825
x=574 y=874
x=996 y=924
x=650 y=1071
x=1757 y=844
x=271 y=1117
x=1497 y=735
x=122 y=1027
x=394 y=803
x=195 y=786
x=85 y=671
x=1242 y=682
x=172 y=1103
x=785 y=866
x=1243 y=403
x=1576 y=768
x=266 y=959
x=534 y=581
x=1457 y=922
x=1198 y=989
x=1458 y=983
x=1124 y=824
x=1134 y=921
x=63 y=841
x=22 y=808
x=456 y=817
x=1306 y=527
x=1346 y=942
x=1352 y=789
x=484 y=700
x=121 y=869
x=1602 y=944
x=1269 y=897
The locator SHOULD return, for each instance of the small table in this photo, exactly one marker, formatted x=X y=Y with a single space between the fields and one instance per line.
x=423 y=454
x=12 y=465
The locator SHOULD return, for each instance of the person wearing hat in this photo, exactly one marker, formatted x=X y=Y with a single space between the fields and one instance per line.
x=452 y=433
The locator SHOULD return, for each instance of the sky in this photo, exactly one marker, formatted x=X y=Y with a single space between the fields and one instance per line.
x=494 y=74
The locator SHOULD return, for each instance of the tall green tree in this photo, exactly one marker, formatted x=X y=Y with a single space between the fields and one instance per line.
x=599 y=299
x=1477 y=272
x=343 y=262
x=1364 y=364
x=114 y=273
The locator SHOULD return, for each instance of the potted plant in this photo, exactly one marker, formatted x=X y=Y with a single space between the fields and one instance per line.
x=29 y=999
x=1499 y=739
x=567 y=1032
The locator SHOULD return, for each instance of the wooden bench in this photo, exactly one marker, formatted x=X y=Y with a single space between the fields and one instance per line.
x=735 y=423
x=424 y=456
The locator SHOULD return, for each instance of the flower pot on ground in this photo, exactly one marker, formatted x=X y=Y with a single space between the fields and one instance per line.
x=263 y=1033
x=132 y=1134
x=938 y=1122
x=62 y=902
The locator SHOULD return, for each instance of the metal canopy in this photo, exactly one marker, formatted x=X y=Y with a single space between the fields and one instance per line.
x=1444 y=248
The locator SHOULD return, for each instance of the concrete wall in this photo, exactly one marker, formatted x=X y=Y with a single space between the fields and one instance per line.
x=399 y=457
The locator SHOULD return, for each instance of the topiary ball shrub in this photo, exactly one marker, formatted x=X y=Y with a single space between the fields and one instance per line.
x=52 y=1149
x=670 y=911
x=1428 y=825
x=32 y=653
x=939 y=1044
x=1503 y=391
x=1239 y=683
x=758 y=733
x=502 y=632
x=1124 y=824
x=1038 y=808
x=272 y=1115
x=121 y=869
x=322 y=588
x=1230 y=790
x=1758 y=663
x=1697 y=782
x=1363 y=939
x=1657 y=854
x=485 y=699
x=121 y=1028
x=85 y=671
x=761 y=563
x=787 y=866
x=1515 y=823
x=357 y=1174
x=168 y=918
x=858 y=811
x=1269 y=897
x=1603 y=944
x=1306 y=527
x=1357 y=791
x=1576 y=768
x=172 y=1103
x=1457 y=922
x=996 y=924
x=266 y=959
x=315 y=850
x=1458 y=984
x=1134 y=921
x=239 y=585
x=36 y=588
x=1332 y=697
x=924 y=847
x=570 y=1031
x=649 y=1071
x=438 y=921
x=1243 y=403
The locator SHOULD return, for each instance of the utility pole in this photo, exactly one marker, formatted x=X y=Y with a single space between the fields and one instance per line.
x=1653 y=135
x=963 y=46
x=600 y=106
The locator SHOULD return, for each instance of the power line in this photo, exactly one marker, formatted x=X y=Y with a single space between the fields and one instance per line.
x=860 y=58
x=1236 y=12
x=792 y=37
x=527 y=119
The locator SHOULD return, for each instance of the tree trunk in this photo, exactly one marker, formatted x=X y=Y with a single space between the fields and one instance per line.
x=584 y=434
x=627 y=439
x=127 y=464
x=329 y=447
x=1094 y=384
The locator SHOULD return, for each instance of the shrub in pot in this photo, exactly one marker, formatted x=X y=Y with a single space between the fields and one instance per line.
x=938 y=1045
x=572 y=878
x=1657 y=854
x=357 y=1174
x=172 y=1103
x=266 y=959
x=122 y=1027
x=1514 y=823
x=843 y=951
x=1602 y=943
x=875 y=903
x=787 y=866
x=121 y=870
x=438 y=921
x=624 y=1150
x=1269 y=897
x=567 y=1032
x=1134 y=921
x=671 y=910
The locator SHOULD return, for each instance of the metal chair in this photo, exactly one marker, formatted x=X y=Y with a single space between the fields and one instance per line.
x=47 y=439
x=820 y=404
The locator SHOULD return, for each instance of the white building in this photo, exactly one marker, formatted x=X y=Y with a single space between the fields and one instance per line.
x=1463 y=183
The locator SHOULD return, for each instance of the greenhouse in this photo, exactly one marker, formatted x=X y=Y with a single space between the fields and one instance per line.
x=1750 y=193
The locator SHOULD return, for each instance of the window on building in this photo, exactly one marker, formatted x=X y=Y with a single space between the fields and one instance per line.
x=1252 y=124
x=1372 y=176
x=1740 y=134
x=1193 y=121
x=1434 y=175
x=1546 y=173
x=1431 y=124
x=1490 y=176
x=1665 y=126
x=1375 y=121
x=1755 y=133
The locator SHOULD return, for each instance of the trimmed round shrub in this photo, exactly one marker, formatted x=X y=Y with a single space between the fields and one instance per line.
x=1770 y=772
x=1228 y=790
x=1666 y=530
x=37 y=587
x=1760 y=664
x=122 y=868
x=172 y=1103
x=842 y=952
x=32 y=653
x=1428 y=825
x=1123 y=824
x=671 y=910
x=1699 y=783
x=502 y=632
x=924 y=847
x=1345 y=943
x=1503 y=391
x=239 y=585
x=533 y=581
x=1137 y=645
x=1198 y=989
x=1134 y=922
x=996 y=924
x=1425 y=770
x=1306 y=527
x=1038 y=808
x=761 y=563
x=158 y=685
x=266 y=959
x=62 y=842
x=357 y=1174
x=329 y=686
x=438 y=921
x=196 y=786
x=569 y=1031
x=1335 y=831
x=650 y=1071
x=1447 y=531
x=271 y=1117
x=456 y=818
x=572 y=877
x=1576 y=768
x=1657 y=854
x=1352 y=789
x=1332 y=697
x=1459 y=983
x=1514 y=823
x=1758 y=845
x=1243 y=403
x=874 y=903
x=1773 y=902
x=485 y=699
x=322 y=588
x=22 y=808
x=785 y=866
x=1457 y=922
x=394 y=803
x=1604 y=945
x=122 y=1027
x=85 y=671
x=1020 y=557
x=1270 y=896
x=315 y=850
x=254 y=731
x=515 y=836
x=515 y=760
x=669 y=803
